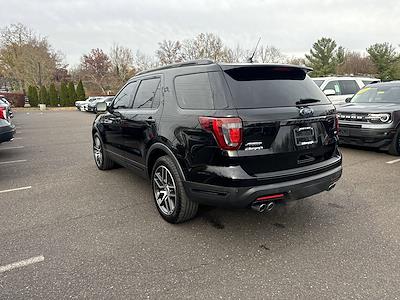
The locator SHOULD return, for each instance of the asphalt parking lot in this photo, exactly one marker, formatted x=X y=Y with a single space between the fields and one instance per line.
x=68 y=230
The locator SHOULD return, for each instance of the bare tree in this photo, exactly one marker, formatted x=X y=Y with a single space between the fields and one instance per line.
x=205 y=45
x=27 y=59
x=169 y=52
x=237 y=54
x=269 y=54
x=294 y=60
x=142 y=62
x=121 y=62
x=355 y=63
x=96 y=66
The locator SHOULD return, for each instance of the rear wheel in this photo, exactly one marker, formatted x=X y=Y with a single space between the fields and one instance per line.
x=169 y=195
x=394 y=148
x=103 y=162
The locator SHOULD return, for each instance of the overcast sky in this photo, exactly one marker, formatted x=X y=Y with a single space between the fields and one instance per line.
x=76 y=26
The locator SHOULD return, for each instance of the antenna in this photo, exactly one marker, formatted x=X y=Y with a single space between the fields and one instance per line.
x=250 y=59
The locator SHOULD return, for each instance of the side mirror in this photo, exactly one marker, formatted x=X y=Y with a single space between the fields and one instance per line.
x=329 y=92
x=348 y=100
x=101 y=106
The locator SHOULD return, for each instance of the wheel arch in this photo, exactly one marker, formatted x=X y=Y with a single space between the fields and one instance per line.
x=157 y=150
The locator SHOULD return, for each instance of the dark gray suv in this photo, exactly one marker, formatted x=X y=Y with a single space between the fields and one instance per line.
x=372 y=118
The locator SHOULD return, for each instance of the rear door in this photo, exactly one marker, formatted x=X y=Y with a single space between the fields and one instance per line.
x=287 y=120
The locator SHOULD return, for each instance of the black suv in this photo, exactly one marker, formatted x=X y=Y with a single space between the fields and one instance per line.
x=237 y=135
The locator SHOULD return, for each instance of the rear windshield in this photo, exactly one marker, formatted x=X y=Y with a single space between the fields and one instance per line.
x=260 y=87
x=378 y=94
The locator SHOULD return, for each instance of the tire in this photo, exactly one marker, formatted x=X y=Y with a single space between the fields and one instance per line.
x=394 y=148
x=101 y=158
x=169 y=194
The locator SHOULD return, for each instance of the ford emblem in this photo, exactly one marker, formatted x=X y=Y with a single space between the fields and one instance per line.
x=306 y=112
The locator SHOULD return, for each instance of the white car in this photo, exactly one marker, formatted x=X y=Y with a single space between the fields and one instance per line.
x=82 y=105
x=338 y=89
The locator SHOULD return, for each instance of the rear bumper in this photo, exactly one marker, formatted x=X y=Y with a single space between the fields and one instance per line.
x=7 y=133
x=243 y=196
x=367 y=137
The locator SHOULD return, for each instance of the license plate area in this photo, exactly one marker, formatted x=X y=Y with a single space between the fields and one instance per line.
x=304 y=136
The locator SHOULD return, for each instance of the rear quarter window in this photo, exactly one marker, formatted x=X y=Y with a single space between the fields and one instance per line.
x=193 y=91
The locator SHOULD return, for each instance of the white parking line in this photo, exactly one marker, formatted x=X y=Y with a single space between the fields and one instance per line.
x=16 y=189
x=12 y=162
x=11 y=148
x=22 y=263
x=393 y=161
x=17 y=138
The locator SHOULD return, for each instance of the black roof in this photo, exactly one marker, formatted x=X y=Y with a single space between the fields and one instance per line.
x=205 y=62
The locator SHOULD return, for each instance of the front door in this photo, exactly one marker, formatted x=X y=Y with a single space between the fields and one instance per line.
x=142 y=120
x=113 y=122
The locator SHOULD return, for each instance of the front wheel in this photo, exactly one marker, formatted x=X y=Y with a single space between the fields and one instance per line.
x=169 y=195
x=394 y=148
x=103 y=162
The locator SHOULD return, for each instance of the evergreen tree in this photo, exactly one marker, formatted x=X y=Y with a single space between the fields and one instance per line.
x=64 y=98
x=53 y=95
x=71 y=94
x=80 y=91
x=43 y=95
x=33 y=96
x=324 y=57
x=385 y=59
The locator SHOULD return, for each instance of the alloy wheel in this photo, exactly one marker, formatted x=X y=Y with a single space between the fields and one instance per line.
x=97 y=151
x=164 y=190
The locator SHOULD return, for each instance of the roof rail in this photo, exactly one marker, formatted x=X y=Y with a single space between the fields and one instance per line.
x=197 y=62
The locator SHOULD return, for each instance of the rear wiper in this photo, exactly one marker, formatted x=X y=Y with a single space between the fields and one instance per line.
x=307 y=100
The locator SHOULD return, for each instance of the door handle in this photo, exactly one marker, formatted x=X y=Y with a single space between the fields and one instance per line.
x=111 y=120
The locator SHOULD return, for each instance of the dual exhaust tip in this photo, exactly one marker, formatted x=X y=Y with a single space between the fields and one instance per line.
x=268 y=206
x=261 y=207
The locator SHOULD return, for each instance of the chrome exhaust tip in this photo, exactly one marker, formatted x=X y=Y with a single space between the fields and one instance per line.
x=270 y=206
x=331 y=186
x=259 y=207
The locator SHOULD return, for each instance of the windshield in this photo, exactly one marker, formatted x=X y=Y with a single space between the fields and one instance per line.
x=262 y=87
x=318 y=82
x=378 y=94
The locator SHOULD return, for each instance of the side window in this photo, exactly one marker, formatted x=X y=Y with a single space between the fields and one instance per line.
x=148 y=94
x=349 y=87
x=124 y=98
x=333 y=85
x=193 y=91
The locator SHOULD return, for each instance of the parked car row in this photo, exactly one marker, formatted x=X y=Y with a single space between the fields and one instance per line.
x=7 y=128
x=90 y=103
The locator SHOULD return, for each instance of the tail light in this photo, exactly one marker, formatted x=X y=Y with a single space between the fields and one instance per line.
x=227 y=131
x=2 y=113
